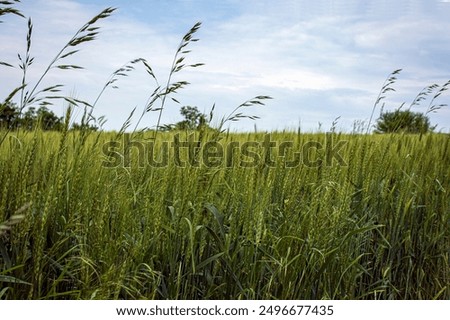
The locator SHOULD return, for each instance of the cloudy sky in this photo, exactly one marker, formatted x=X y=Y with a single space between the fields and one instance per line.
x=319 y=60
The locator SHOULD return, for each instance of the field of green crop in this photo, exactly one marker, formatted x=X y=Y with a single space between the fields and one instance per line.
x=367 y=220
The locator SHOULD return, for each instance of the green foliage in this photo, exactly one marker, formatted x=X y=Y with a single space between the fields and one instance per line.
x=8 y=115
x=81 y=127
x=193 y=120
x=404 y=121
x=44 y=118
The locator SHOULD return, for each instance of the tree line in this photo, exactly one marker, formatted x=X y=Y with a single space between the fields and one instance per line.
x=11 y=118
x=404 y=121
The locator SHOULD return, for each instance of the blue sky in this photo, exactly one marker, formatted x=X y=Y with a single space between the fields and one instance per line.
x=319 y=60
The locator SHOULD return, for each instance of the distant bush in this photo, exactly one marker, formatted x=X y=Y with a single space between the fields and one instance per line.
x=404 y=121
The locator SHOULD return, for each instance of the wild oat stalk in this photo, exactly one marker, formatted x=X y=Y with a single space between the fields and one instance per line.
x=123 y=71
x=432 y=107
x=6 y=7
x=390 y=80
x=43 y=96
x=236 y=116
x=177 y=66
x=160 y=93
x=422 y=95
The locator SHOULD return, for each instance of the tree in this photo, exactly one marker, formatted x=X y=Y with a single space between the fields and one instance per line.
x=84 y=127
x=404 y=121
x=48 y=120
x=193 y=119
x=10 y=118
x=9 y=113
x=29 y=119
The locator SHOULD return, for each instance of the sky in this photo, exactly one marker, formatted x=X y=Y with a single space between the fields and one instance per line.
x=321 y=61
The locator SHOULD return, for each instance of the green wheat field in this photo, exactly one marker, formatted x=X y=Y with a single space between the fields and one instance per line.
x=376 y=227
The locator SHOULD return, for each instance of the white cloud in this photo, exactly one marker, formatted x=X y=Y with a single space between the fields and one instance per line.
x=337 y=58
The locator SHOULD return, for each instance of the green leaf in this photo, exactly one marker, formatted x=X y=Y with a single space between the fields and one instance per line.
x=9 y=279
x=209 y=260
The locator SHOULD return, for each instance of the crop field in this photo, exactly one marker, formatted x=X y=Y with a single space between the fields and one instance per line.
x=98 y=215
